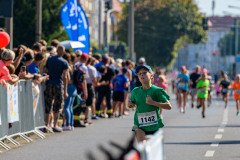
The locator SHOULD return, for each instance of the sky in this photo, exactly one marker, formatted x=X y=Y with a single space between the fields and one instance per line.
x=221 y=7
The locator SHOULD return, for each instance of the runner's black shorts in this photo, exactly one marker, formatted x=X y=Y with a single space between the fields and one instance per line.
x=149 y=132
x=89 y=101
x=118 y=96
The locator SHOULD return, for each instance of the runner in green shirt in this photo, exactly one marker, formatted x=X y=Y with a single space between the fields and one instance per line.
x=148 y=99
x=202 y=86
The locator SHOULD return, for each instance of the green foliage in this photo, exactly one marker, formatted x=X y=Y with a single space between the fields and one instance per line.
x=25 y=21
x=162 y=27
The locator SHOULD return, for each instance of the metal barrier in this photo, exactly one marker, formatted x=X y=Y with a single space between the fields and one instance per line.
x=29 y=115
x=152 y=149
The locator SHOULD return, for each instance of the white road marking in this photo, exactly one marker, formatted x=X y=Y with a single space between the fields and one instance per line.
x=220 y=130
x=224 y=122
x=218 y=136
x=215 y=144
x=209 y=153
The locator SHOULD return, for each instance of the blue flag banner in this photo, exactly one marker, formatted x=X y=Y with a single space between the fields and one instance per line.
x=76 y=25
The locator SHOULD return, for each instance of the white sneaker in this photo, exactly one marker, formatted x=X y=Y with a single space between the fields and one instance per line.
x=67 y=128
x=182 y=110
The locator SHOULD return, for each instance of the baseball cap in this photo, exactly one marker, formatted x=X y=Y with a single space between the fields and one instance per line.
x=144 y=66
x=84 y=55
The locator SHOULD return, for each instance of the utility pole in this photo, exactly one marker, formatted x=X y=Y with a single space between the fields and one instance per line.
x=39 y=21
x=236 y=45
x=9 y=29
x=100 y=23
x=131 y=31
x=107 y=29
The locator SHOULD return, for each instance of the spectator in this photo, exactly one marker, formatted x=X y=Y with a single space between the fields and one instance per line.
x=104 y=89
x=72 y=93
x=22 y=69
x=82 y=88
x=91 y=82
x=7 y=57
x=33 y=68
x=19 y=54
x=43 y=42
x=120 y=83
x=56 y=86
x=55 y=43
x=37 y=47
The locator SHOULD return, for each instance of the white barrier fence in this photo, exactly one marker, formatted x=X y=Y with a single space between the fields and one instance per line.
x=23 y=107
x=151 y=150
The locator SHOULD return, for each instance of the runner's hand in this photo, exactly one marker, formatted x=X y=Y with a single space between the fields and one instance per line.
x=149 y=100
x=131 y=104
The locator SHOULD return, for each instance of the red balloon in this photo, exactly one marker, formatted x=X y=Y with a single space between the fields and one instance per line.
x=4 y=39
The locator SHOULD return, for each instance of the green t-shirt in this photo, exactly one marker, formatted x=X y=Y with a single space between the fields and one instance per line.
x=148 y=115
x=203 y=92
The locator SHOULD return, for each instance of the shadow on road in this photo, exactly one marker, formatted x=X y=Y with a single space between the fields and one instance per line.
x=191 y=126
x=202 y=143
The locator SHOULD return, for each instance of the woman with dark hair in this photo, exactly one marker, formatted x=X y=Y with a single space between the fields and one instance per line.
x=72 y=93
x=22 y=69
x=19 y=54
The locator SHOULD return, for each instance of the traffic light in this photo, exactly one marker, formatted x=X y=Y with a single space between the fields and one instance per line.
x=204 y=23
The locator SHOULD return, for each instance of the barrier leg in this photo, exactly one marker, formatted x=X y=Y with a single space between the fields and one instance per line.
x=13 y=141
x=49 y=129
x=25 y=138
x=4 y=146
x=39 y=134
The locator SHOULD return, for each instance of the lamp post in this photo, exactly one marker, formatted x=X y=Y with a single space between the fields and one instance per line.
x=131 y=31
x=106 y=34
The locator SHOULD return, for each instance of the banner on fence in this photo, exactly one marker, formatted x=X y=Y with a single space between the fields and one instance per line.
x=36 y=94
x=12 y=101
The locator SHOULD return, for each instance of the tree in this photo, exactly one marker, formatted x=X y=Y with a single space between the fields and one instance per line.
x=162 y=27
x=25 y=21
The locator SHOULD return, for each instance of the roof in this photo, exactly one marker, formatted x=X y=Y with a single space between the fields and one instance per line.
x=221 y=23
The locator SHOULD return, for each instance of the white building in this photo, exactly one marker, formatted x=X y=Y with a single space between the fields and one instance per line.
x=208 y=54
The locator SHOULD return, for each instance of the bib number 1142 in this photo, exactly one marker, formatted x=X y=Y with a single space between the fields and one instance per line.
x=147 y=119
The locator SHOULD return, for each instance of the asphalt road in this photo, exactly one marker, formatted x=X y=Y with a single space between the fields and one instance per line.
x=186 y=137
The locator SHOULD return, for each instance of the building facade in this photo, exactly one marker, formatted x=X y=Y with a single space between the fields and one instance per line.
x=208 y=54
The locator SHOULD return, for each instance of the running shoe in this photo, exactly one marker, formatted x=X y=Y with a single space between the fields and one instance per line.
x=192 y=105
x=237 y=113
x=182 y=110
x=203 y=115
x=199 y=106
x=95 y=117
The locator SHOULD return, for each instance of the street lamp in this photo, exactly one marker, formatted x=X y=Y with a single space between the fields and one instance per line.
x=108 y=16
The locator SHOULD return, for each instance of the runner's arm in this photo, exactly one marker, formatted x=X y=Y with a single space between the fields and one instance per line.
x=167 y=105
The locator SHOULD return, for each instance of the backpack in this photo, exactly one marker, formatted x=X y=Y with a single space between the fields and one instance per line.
x=78 y=74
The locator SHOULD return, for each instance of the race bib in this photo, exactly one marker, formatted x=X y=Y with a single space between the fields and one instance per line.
x=224 y=90
x=237 y=91
x=202 y=91
x=181 y=84
x=147 y=119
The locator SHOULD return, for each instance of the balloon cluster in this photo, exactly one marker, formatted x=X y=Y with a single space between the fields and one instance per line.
x=4 y=39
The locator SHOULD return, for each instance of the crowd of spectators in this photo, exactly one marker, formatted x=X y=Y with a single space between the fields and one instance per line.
x=100 y=82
